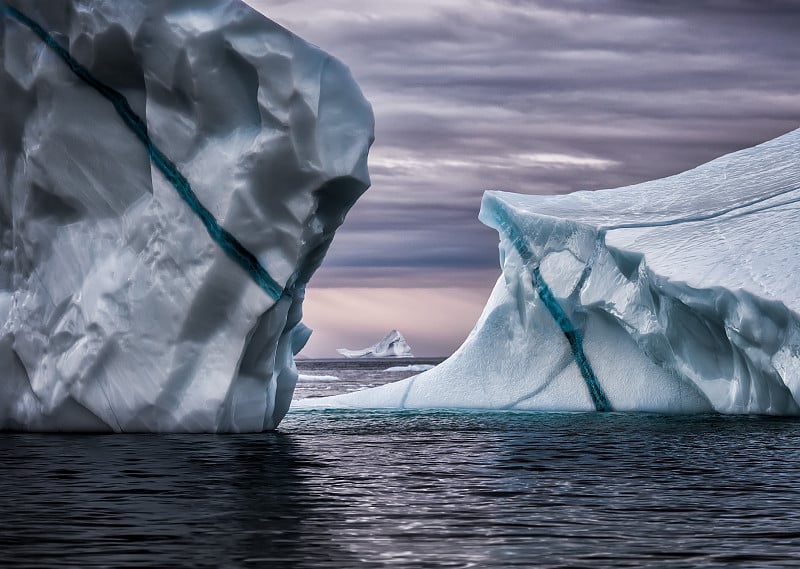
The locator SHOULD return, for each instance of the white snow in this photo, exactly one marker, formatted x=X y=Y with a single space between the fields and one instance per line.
x=684 y=292
x=118 y=308
x=393 y=345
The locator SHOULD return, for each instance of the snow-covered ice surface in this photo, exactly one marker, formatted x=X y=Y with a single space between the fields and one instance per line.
x=172 y=175
x=681 y=294
x=393 y=345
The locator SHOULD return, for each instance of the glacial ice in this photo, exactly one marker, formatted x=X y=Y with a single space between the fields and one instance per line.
x=172 y=175
x=681 y=293
x=393 y=345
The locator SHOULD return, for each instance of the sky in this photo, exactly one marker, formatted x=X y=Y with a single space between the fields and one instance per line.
x=534 y=97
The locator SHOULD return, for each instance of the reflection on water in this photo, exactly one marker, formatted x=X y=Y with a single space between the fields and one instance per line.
x=411 y=489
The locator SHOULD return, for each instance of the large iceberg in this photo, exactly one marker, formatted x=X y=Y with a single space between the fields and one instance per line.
x=393 y=345
x=172 y=174
x=678 y=295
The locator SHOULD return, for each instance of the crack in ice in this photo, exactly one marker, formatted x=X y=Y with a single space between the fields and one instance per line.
x=227 y=242
x=573 y=336
x=714 y=215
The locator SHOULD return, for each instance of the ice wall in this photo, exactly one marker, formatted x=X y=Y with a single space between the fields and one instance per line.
x=172 y=174
x=678 y=295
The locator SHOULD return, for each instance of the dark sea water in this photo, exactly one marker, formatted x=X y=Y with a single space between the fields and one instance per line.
x=411 y=489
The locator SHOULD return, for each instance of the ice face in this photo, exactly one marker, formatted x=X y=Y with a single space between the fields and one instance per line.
x=681 y=294
x=173 y=176
x=393 y=345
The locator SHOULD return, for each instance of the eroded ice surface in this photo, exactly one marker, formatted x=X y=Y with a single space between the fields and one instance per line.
x=683 y=291
x=172 y=175
x=393 y=345
x=314 y=378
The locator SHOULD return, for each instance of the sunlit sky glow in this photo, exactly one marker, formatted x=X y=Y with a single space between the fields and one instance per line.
x=525 y=96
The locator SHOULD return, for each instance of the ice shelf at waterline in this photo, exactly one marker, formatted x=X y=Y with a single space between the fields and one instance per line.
x=681 y=294
x=172 y=175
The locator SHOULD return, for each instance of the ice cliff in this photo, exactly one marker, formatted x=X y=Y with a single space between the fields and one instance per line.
x=393 y=345
x=678 y=295
x=171 y=175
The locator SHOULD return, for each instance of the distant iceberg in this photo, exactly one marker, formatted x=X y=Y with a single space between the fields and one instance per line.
x=393 y=345
x=679 y=295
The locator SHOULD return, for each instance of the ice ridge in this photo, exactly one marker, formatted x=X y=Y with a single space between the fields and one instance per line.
x=232 y=247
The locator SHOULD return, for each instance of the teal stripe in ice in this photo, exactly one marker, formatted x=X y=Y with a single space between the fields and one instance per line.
x=599 y=398
x=232 y=247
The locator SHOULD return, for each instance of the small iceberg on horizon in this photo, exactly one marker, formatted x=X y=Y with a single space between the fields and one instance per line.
x=393 y=345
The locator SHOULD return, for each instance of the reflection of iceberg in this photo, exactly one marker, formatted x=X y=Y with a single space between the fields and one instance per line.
x=172 y=176
x=678 y=295
x=393 y=345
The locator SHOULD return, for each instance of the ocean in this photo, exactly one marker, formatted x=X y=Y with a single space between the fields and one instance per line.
x=452 y=488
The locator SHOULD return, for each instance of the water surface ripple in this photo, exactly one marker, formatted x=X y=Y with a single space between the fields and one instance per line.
x=411 y=489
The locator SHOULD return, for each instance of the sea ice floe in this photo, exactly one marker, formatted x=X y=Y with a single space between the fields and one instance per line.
x=680 y=294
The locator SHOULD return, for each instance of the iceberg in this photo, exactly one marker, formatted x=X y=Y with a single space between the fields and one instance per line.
x=393 y=345
x=677 y=295
x=316 y=378
x=172 y=175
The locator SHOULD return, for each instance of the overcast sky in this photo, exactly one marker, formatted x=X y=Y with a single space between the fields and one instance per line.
x=531 y=97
